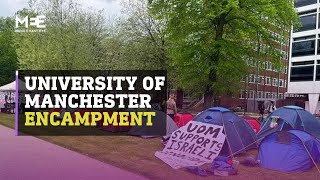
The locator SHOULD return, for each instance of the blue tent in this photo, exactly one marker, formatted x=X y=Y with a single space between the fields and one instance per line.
x=239 y=134
x=288 y=151
x=291 y=117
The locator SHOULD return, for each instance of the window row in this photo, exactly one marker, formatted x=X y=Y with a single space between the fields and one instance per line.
x=308 y=22
x=305 y=71
x=300 y=3
x=266 y=49
x=279 y=38
x=284 y=54
x=305 y=48
x=267 y=65
x=252 y=78
x=261 y=94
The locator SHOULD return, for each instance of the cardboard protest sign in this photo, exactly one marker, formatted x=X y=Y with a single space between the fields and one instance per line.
x=194 y=144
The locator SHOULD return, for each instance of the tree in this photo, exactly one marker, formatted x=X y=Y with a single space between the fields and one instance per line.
x=211 y=39
x=137 y=40
x=72 y=38
x=8 y=56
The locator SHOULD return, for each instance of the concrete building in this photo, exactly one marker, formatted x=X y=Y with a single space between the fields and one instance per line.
x=304 y=62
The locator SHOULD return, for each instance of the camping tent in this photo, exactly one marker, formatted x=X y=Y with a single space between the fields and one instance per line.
x=159 y=121
x=255 y=124
x=290 y=117
x=182 y=119
x=240 y=135
x=292 y=150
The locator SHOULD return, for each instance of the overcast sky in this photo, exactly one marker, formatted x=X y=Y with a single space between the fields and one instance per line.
x=111 y=7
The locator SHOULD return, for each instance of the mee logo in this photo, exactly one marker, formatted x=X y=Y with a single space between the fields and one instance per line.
x=38 y=22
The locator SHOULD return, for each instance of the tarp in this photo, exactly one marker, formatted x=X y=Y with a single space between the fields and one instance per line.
x=289 y=151
x=290 y=117
x=239 y=134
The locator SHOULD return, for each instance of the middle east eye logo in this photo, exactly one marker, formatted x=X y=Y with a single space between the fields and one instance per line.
x=37 y=22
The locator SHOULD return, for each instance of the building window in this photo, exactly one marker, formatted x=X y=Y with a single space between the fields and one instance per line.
x=261 y=79
x=251 y=94
x=318 y=72
x=268 y=82
x=286 y=70
x=311 y=62
x=251 y=78
x=285 y=83
x=319 y=42
x=268 y=95
x=300 y=3
x=257 y=78
x=308 y=22
x=302 y=73
x=303 y=48
x=280 y=96
x=280 y=82
x=260 y=94
x=269 y=65
x=284 y=54
x=275 y=82
x=242 y=94
x=274 y=95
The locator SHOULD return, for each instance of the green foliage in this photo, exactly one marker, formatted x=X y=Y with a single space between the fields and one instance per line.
x=8 y=56
x=137 y=40
x=72 y=38
x=211 y=39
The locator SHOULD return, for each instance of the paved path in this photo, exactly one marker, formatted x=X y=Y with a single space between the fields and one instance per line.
x=29 y=158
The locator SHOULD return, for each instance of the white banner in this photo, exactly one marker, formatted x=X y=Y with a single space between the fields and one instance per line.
x=194 y=144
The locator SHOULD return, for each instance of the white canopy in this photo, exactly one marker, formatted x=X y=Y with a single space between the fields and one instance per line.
x=12 y=86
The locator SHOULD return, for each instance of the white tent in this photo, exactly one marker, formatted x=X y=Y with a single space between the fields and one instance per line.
x=9 y=87
x=12 y=86
x=8 y=91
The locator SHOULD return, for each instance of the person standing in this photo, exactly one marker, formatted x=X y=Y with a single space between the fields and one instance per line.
x=171 y=106
x=272 y=107
x=261 y=110
x=6 y=105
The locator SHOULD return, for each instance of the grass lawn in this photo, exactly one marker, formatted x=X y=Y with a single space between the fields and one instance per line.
x=137 y=155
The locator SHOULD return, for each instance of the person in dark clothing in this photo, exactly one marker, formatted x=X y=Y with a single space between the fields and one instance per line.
x=261 y=110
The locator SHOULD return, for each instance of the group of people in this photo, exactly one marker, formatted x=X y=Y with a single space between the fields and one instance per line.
x=270 y=108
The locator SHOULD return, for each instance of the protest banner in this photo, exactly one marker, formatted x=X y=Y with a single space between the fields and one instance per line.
x=194 y=144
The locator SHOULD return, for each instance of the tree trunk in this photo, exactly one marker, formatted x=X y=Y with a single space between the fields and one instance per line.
x=208 y=98
x=219 y=30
